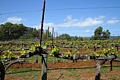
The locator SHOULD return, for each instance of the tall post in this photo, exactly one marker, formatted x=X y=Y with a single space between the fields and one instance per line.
x=56 y=36
x=52 y=37
x=111 y=65
x=42 y=22
x=36 y=58
x=47 y=34
x=44 y=67
x=52 y=43
x=2 y=71
x=44 y=56
x=98 y=70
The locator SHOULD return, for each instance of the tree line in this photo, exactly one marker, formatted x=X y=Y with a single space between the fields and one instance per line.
x=10 y=31
x=100 y=34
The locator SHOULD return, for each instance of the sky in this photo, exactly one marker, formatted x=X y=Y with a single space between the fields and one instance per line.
x=73 y=17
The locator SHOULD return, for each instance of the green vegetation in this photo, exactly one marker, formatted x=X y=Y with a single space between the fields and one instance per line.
x=8 y=55
x=105 y=47
x=99 y=34
x=55 y=51
x=10 y=31
x=74 y=45
x=68 y=54
x=75 y=74
x=105 y=52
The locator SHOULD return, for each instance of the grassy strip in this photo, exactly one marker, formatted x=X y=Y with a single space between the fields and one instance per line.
x=76 y=74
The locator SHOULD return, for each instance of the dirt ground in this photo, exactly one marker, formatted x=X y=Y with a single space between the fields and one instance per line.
x=55 y=68
x=80 y=70
x=57 y=65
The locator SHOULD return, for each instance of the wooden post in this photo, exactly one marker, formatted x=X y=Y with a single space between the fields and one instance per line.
x=36 y=58
x=111 y=65
x=2 y=71
x=44 y=59
x=41 y=31
x=44 y=67
x=47 y=34
x=75 y=57
x=56 y=36
x=116 y=47
x=98 y=68
x=94 y=48
x=52 y=37
x=53 y=43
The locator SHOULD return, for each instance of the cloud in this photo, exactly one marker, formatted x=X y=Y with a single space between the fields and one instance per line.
x=1 y=23
x=45 y=26
x=88 y=22
x=50 y=24
x=113 y=21
x=36 y=26
x=87 y=31
x=68 y=18
x=14 y=19
x=70 y=22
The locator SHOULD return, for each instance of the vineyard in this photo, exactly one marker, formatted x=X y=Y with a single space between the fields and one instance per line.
x=63 y=57
x=57 y=58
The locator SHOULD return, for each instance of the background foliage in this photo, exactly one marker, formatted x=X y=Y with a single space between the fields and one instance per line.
x=10 y=31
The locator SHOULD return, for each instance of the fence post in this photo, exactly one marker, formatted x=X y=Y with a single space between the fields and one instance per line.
x=2 y=71
x=111 y=65
x=95 y=48
x=36 y=58
x=98 y=67
x=44 y=66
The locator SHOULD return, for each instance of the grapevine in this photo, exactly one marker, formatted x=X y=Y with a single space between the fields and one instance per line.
x=68 y=54
x=55 y=52
x=8 y=55
x=104 y=52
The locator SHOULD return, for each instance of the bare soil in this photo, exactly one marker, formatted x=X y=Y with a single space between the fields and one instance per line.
x=80 y=70
x=59 y=70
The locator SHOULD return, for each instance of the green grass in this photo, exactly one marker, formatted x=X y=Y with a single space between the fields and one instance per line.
x=33 y=58
x=91 y=70
x=118 y=75
x=49 y=59
x=25 y=72
x=33 y=74
x=118 y=55
x=9 y=71
x=112 y=78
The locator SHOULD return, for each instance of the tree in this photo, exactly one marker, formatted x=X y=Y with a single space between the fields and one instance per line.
x=99 y=34
x=107 y=34
x=26 y=36
x=9 y=31
x=35 y=33
x=64 y=36
x=74 y=38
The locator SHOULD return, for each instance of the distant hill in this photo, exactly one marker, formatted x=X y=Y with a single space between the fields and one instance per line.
x=114 y=37
x=111 y=37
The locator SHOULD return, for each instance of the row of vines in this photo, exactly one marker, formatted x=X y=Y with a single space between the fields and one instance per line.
x=88 y=49
x=96 y=48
